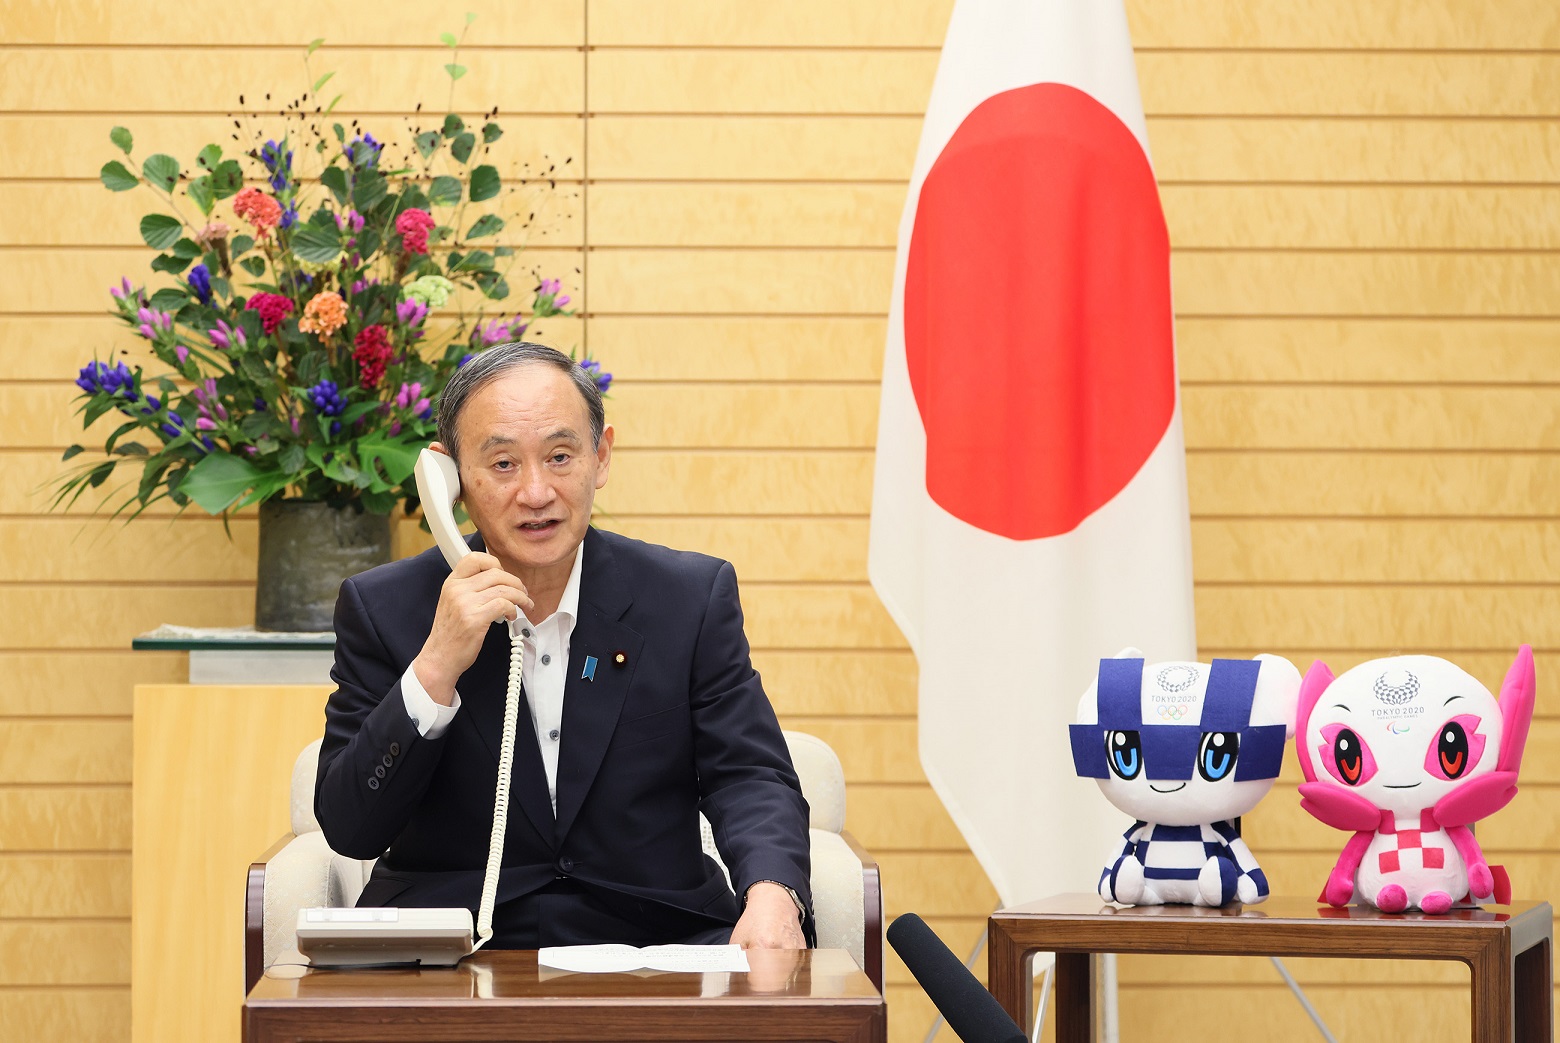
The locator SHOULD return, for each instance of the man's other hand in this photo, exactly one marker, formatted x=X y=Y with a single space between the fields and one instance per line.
x=770 y=920
x=477 y=594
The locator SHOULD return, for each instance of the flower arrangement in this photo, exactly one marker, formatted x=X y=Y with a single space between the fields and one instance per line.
x=304 y=318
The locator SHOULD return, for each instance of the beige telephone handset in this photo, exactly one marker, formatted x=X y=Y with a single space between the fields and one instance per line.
x=434 y=937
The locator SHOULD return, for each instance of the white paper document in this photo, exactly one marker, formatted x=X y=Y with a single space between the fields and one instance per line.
x=617 y=959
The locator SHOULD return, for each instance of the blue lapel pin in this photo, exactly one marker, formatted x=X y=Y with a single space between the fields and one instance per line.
x=589 y=673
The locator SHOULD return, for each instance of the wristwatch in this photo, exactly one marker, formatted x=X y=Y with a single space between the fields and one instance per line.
x=801 y=910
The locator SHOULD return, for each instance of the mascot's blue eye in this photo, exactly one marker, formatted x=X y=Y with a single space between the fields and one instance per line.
x=1124 y=753
x=1216 y=758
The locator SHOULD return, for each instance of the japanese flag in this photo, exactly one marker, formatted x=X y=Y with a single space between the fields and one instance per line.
x=1030 y=514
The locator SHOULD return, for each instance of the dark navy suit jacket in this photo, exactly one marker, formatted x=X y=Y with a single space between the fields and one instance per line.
x=682 y=726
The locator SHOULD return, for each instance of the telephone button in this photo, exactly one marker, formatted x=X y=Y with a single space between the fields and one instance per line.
x=373 y=783
x=387 y=760
x=395 y=749
x=379 y=771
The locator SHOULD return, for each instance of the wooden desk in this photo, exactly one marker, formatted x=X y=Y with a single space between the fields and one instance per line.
x=1507 y=949
x=819 y=995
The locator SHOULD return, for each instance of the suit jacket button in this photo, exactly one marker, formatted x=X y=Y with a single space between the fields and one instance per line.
x=566 y=865
x=387 y=760
x=395 y=749
x=373 y=783
x=379 y=771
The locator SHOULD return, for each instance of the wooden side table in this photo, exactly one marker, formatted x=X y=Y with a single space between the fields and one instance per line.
x=815 y=995
x=1507 y=949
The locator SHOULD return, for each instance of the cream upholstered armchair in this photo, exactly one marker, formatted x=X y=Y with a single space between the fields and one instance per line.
x=301 y=870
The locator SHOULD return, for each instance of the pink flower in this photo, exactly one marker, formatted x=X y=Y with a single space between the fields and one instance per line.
x=414 y=225
x=207 y=237
x=259 y=209
x=182 y=353
x=205 y=424
x=273 y=309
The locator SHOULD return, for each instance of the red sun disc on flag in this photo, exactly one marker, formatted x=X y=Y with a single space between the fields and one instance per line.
x=1037 y=319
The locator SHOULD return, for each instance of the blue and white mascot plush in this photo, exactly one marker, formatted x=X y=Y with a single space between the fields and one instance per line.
x=1185 y=749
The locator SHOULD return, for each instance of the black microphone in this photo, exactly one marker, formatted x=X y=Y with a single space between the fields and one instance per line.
x=971 y=1011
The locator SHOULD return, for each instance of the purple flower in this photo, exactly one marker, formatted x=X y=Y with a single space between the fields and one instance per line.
x=181 y=353
x=280 y=166
x=260 y=403
x=205 y=424
x=561 y=301
x=123 y=291
x=495 y=331
x=227 y=337
x=289 y=217
x=364 y=152
x=465 y=359
x=549 y=287
x=327 y=399
x=603 y=380
x=411 y=312
x=200 y=282
x=411 y=397
x=97 y=377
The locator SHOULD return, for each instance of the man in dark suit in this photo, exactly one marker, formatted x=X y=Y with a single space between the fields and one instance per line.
x=641 y=706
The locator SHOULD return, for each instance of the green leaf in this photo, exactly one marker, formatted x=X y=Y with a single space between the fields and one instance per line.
x=471 y=16
x=293 y=459
x=116 y=178
x=168 y=299
x=241 y=244
x=255 y=266
x=412 y=198
x=186 y=248
x=504 y=251
x=314 y=45
x=202 y=192
x=476 y=261
x=485 y=183
x=370 y=189
x=427 y=142
x=335 y=179
x=492 y=285
x=491 y=132
x=461 y=147
x=170 y=264
x=397 y=458
x=162 y=171
x=487 y=224
x=332 y=106
x=160 y=231
x=131 y=449
x=218 y=480
x=341 y=133
x=448 y=40
x=316 y=243
x=227 y=179
x=209 y=157
x=121 y=138
x=322 y=81
x=71 y=451
x=453 y=125
x=445 y=191
x=455 y=71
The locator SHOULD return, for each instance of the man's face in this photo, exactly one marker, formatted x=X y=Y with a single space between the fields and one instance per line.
x=528 y=474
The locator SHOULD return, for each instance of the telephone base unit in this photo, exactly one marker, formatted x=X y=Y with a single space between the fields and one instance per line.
x=362 y=937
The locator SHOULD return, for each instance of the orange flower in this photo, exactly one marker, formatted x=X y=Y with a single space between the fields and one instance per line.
x=258 y=209
x=324 y=314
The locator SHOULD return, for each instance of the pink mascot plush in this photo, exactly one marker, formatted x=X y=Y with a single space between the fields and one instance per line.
x=1407 y=753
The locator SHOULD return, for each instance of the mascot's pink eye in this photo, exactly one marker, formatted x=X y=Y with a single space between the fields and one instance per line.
x=1452 y=749
x=1347 y=755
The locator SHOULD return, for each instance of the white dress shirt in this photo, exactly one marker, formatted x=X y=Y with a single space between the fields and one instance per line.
x=544 y=671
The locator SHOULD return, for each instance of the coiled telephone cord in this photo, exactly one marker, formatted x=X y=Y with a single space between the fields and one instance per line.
x=506 y=758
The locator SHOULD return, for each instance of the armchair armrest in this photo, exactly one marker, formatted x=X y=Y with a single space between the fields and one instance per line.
x=254 y=914
x=872 y=909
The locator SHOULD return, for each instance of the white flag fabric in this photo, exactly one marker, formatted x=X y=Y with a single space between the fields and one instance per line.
x=1029 y=515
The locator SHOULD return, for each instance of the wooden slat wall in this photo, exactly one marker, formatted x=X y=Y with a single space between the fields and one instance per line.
x=1364 y=200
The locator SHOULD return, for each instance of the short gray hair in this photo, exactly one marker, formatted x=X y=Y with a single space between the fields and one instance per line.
x=489 y=365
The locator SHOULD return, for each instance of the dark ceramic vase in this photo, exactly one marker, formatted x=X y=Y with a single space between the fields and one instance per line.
x=306 y=549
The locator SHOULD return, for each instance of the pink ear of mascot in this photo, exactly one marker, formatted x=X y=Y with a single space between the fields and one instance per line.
x=1406 y=753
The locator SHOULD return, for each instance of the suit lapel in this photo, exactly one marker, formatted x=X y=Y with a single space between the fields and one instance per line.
x=593 y=700
x=483 y=688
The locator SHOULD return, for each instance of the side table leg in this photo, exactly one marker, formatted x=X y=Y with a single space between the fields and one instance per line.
x=1007 y=975
x=1492 y=984
x=1074 y=997
x=1533 y=993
